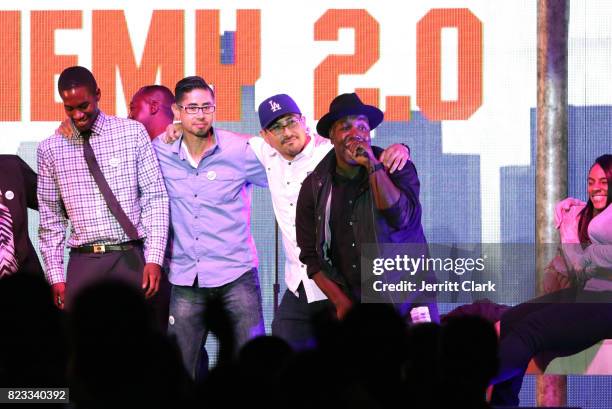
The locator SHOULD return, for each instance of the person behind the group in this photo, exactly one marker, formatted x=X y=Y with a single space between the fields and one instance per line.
x=107 y=183
x=349 y=200
x=209 y=173
x=17 y=194
x=571 y=319
x=151 y=105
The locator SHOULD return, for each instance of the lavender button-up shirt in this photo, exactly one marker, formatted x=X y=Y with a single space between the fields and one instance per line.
x=67 y=192
x=210 y=210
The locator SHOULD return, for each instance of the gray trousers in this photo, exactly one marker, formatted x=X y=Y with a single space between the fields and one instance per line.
x=85 y=269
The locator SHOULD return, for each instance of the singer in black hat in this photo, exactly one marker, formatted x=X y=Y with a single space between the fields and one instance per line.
x=351 y=200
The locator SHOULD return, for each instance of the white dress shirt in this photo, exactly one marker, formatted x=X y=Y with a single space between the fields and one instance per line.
x=285 y=180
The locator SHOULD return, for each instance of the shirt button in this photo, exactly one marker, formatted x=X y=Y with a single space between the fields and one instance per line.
x=290 y=204
x=352 y=244
x=195 y=217
x=350 y=202
x=350 y=223
x=196 y=195
x=354 y=266
x=197 y=238
x=198 y=260
x=288 y=182
x=289 y=163
x=302 y=266
x=197 y=173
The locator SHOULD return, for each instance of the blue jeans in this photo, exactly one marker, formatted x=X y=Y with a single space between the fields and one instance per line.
x=242 y=300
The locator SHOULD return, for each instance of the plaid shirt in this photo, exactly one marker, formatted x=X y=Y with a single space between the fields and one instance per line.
x=67 y=191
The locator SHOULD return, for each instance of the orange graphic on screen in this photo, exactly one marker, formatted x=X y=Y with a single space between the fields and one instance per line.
x=228 y=79
x=112 y=49
x=429 y=87
x=45 y=64
x=10 y=74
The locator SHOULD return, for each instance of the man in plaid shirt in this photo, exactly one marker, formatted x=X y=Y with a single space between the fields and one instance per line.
x=101 y=248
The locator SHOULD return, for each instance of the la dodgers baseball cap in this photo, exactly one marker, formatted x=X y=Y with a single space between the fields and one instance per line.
x=274 y=107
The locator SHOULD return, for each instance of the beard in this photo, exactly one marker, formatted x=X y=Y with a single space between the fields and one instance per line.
x=201 y=132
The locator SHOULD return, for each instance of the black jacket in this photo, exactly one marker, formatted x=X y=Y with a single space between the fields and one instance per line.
x=400 y=223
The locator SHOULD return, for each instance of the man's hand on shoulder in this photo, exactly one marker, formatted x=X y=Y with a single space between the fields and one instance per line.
x=173 y=132
x=65 y=129
x=395 y=157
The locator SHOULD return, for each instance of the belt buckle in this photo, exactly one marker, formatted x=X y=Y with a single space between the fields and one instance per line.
x=99 y=248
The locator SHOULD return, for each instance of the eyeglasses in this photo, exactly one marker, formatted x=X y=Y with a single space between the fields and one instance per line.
x=193 y=109
x=279 y=128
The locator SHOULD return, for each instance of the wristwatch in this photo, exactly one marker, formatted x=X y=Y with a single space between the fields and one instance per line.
x=376 y=168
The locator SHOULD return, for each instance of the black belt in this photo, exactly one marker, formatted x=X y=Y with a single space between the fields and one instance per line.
x=105 y=248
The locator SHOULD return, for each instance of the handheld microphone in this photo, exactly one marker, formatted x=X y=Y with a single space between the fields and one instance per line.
x=360 y=151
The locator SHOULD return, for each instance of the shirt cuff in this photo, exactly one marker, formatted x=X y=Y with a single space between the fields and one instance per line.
x=154 y=256
x=312 y=269
x=55 y=275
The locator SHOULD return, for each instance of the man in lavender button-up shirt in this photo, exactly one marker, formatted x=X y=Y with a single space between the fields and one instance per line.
x=209 y=175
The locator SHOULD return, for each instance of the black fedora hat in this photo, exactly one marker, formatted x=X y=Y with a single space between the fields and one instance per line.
x=345 y=105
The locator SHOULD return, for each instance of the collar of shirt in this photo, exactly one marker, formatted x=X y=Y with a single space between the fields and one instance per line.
x=183 y=152
x=97 y=127
x=357 y=180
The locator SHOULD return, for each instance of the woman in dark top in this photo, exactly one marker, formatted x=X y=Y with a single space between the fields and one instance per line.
x=572 y=319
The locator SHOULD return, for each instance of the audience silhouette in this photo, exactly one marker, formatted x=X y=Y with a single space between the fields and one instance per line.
x=110 y=353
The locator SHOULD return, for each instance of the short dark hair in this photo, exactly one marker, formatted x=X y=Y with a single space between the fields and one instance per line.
x=159 y=91
x=188 y=84
x=77 y=76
